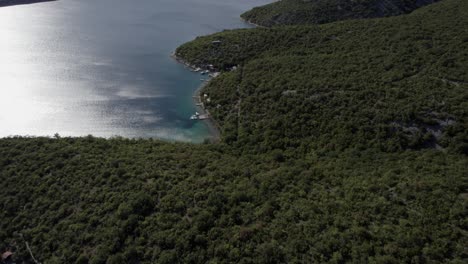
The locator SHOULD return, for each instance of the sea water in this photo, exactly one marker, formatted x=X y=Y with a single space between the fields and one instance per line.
x=103 y=67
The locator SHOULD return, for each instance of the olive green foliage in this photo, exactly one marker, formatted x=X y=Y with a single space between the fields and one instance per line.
x=294 y=12
x=395 y=83
x=344 y=142
x=89 y=200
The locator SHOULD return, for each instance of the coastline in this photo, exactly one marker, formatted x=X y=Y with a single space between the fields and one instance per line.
x=212 y=125
x=5 y=3
x=251 y=23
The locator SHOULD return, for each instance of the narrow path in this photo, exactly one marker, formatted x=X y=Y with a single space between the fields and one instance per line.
x=239 y=100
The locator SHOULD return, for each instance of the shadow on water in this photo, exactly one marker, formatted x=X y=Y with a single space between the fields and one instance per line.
x=21 y=2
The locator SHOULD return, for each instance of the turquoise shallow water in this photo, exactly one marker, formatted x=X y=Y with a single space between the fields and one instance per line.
x=102 y=67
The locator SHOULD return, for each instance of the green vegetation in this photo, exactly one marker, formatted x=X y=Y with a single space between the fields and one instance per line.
x=393 y=84
x=293 y=12
x=344 y=142
x=122 y=201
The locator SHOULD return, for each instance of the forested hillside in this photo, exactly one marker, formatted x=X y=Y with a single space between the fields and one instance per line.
x=89 y=200
x=293 y=12
x=394 y=84
x=343 y=142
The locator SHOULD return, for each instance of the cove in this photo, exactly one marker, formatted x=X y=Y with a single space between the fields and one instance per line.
x=103 y=67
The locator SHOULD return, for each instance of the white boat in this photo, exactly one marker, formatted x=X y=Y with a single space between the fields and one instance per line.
x=196 y=116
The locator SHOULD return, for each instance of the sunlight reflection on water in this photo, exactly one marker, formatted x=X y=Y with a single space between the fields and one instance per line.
x=78 y=67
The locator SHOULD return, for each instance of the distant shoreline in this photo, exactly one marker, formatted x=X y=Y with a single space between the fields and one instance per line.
x=4 y=3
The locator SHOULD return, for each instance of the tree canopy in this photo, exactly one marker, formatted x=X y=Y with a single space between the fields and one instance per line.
x=295 y=12
x=341 y=143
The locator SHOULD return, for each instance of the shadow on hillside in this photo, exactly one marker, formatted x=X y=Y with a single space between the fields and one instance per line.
x=21 y=2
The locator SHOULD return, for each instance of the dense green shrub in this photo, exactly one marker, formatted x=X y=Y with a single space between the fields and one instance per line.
x=343 y=142
x=294 y=12
x=395 y=83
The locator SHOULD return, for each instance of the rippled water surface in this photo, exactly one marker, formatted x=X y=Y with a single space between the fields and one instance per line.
x=102 y=67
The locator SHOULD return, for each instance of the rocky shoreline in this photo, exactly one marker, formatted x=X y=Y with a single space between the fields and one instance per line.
x=198 y=100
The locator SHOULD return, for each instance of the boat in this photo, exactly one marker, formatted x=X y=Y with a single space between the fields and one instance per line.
x=196 y=116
